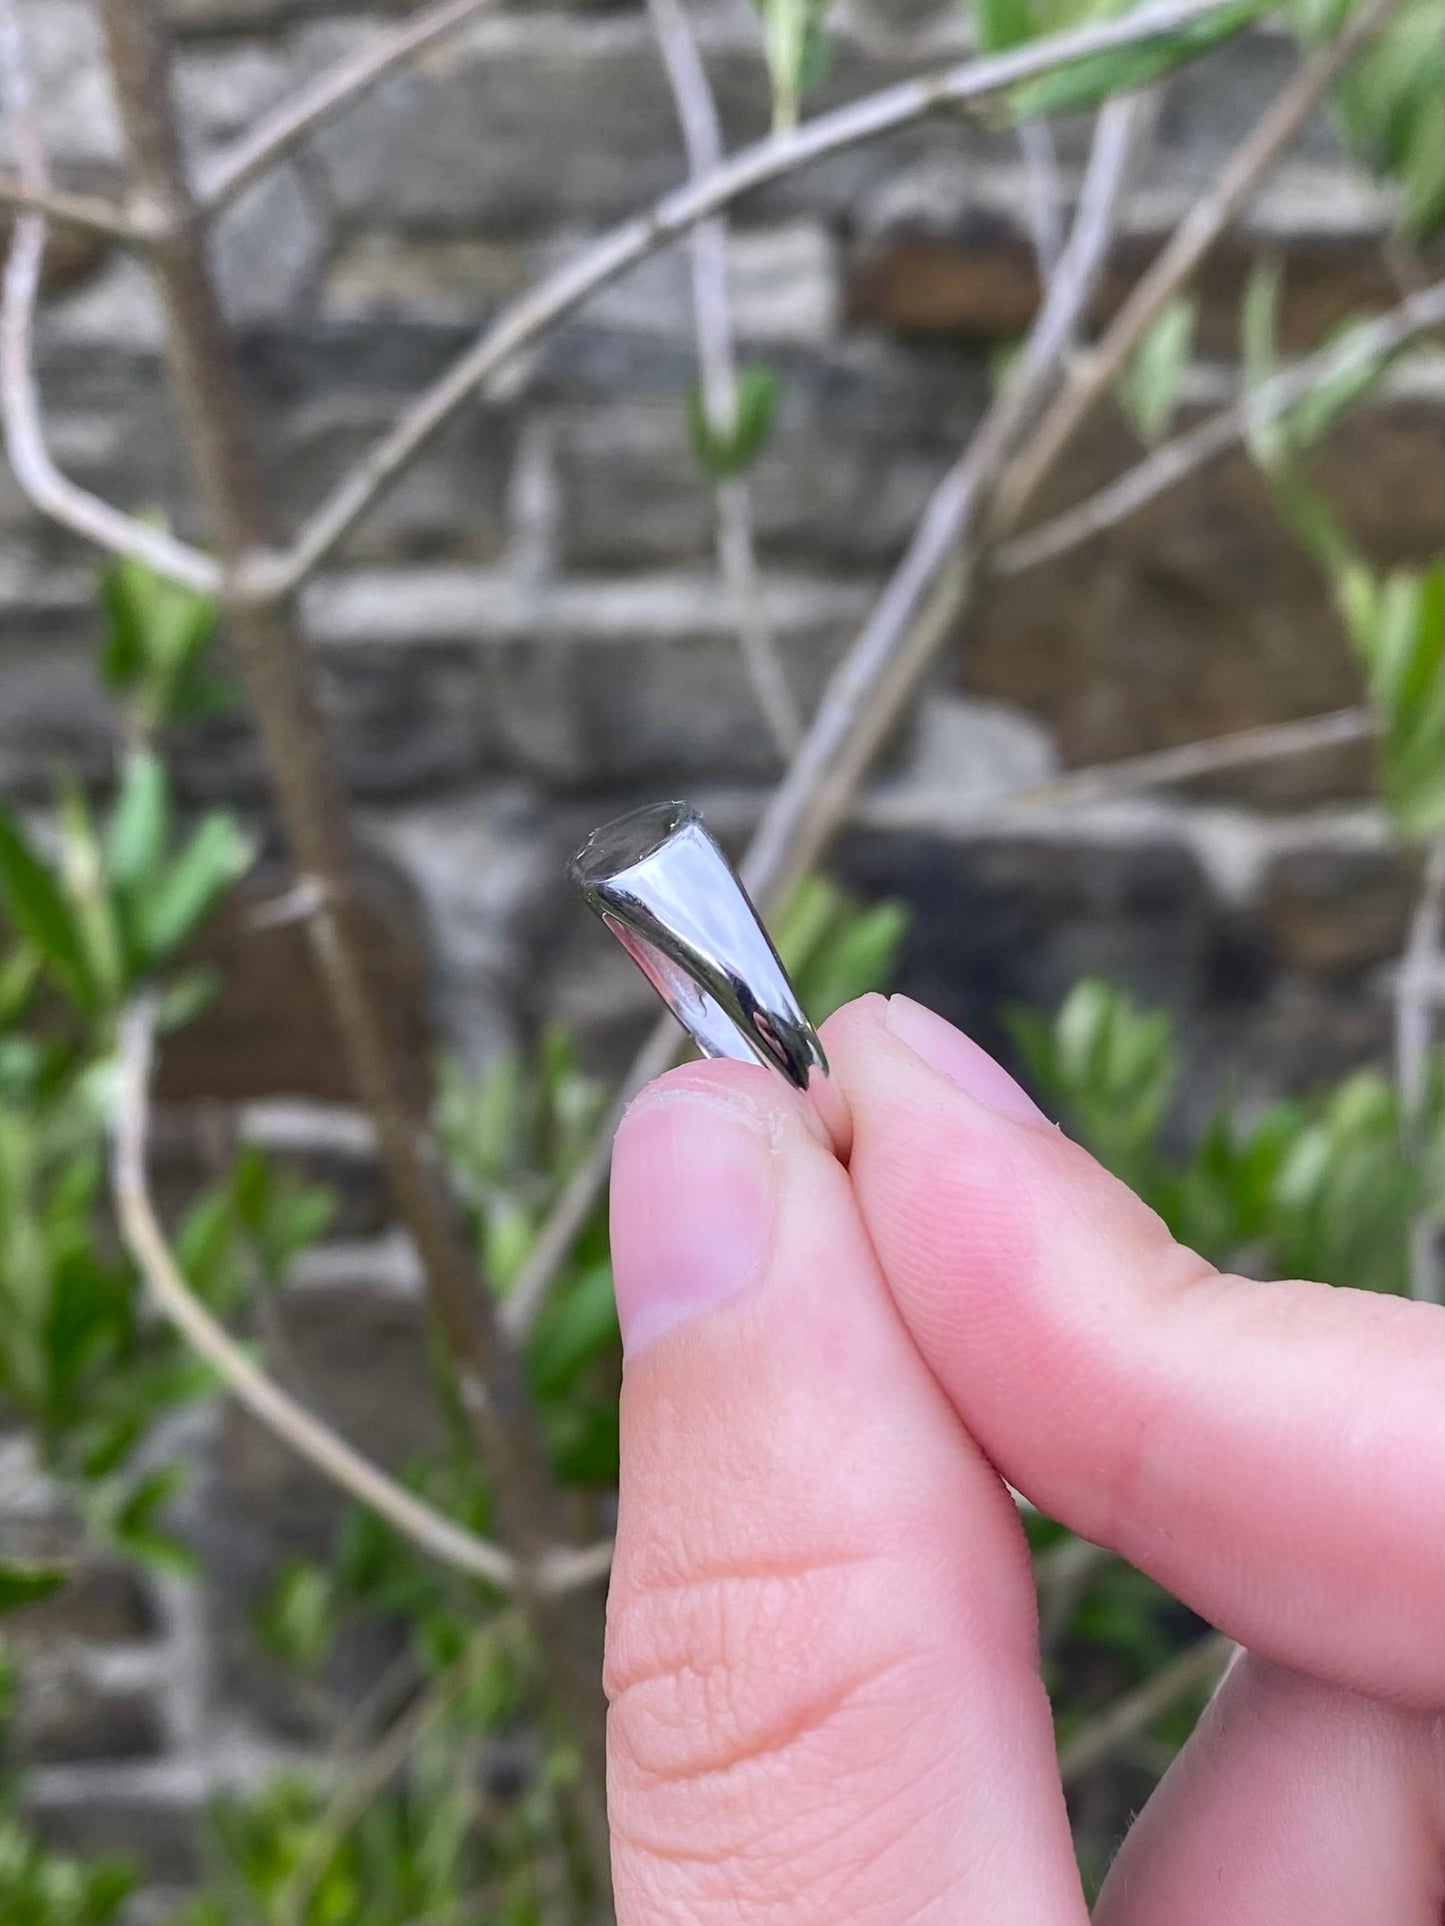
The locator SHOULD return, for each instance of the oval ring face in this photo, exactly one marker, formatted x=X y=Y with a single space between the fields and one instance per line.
x=661 y=884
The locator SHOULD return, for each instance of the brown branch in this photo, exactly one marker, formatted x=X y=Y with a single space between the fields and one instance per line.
x=916 y=612
x=717 y=370
x=1159 y=769
x=908 y=623
x=90 y=211
x=41 y=482
x=1189 y=453
x=267 y=1402
x=382 y=1762
x=1200 y=1668
x=1178 y=260
x=212 y=409
x=867 y=691
x=671 y=217
x=233 y=170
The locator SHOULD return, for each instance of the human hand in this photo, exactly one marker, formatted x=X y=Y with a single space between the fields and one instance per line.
x=822 y=1654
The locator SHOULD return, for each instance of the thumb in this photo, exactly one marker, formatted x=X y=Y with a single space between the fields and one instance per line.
x=1270 y=1452
x=821 y=1656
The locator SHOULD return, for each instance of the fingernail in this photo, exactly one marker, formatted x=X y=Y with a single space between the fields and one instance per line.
x=958 y=1057
x=694 y=1199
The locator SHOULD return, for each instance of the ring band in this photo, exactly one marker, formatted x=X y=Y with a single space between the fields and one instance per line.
x=661 y=884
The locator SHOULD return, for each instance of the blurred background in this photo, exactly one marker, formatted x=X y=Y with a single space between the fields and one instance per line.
x=530 y=635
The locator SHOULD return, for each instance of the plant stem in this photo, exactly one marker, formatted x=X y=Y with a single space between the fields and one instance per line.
x=268 y=642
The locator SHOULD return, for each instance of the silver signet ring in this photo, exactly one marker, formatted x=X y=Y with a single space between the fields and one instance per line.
x=673 y=900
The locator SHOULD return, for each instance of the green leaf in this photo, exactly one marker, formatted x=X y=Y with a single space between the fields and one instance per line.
x=134 y=1522
x=1259 y=327
x=139 y=822
x=577 y=1326
x=296 y=1621
x=1085 y=82
x=159 y=633
x=216 y=856
x=862 y=955
x=795 y=47
x=1110 y=1067
x=86 y=885
x=727 y=452
x=1317 y=412
x=1390 y=107
x=1001 y=24
x=1149 y=387
x=19 y=971
x=34 y=903
x=1397 y=627
x=23 y=1584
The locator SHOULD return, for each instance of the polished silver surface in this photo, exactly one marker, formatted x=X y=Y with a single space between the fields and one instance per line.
x=672 y=899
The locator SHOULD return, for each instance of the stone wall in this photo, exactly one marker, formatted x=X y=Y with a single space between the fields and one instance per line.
x=529 y=635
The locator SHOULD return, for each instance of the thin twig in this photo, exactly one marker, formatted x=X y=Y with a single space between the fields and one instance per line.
x=381 y=1763
x=490 y=1383
x=1060 y=1576
x=1201 y=1667
x=296 y=120
x=674 y=215
x=1187 y=454
x=1242 y=749
x=867 y=689
x=90 y=211
x=1158 y=769
x=717 y=374
x=870 y=687
x=280 y=1413
x=40 y=480
x=1177 y=261
x=1415 y=996
x=1046 y=195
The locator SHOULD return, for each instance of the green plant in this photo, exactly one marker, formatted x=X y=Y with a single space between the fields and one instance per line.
x=1326 y=1187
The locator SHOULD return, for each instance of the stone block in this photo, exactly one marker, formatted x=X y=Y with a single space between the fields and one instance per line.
x=1200 y=616
x=73 y=1704
x=150 y=1814
x=270 y=1032
x=590 y=682
x=862 y=435
x=488 y=868
x=268 y=249
x=1340 y=907
x=1002 y=916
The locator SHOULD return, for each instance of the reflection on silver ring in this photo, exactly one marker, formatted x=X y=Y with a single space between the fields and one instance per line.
x=671 y=898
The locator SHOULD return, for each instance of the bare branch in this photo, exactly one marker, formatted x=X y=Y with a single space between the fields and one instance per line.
x=1177 y=261
x=1187 y=454
x=280 y=1413
x=871 y=684
x=1046 y=195
x=382 y=1762
x=665 y=1044
x=1415 y=996
x=1202 y=1666
x=911 y=617
x=40 y=480
x=490 y=1383
x=779 y=154
x=1242 y=749
x=91 y=211
x=717 y=370
x=1062 y=1574
x=280 y=133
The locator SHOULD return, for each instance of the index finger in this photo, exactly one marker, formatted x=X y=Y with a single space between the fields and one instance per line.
x=1272 y=1453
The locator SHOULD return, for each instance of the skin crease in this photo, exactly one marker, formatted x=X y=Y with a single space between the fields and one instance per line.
x=821 y=1636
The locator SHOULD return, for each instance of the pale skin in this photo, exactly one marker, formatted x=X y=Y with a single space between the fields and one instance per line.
x=822 y=1654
